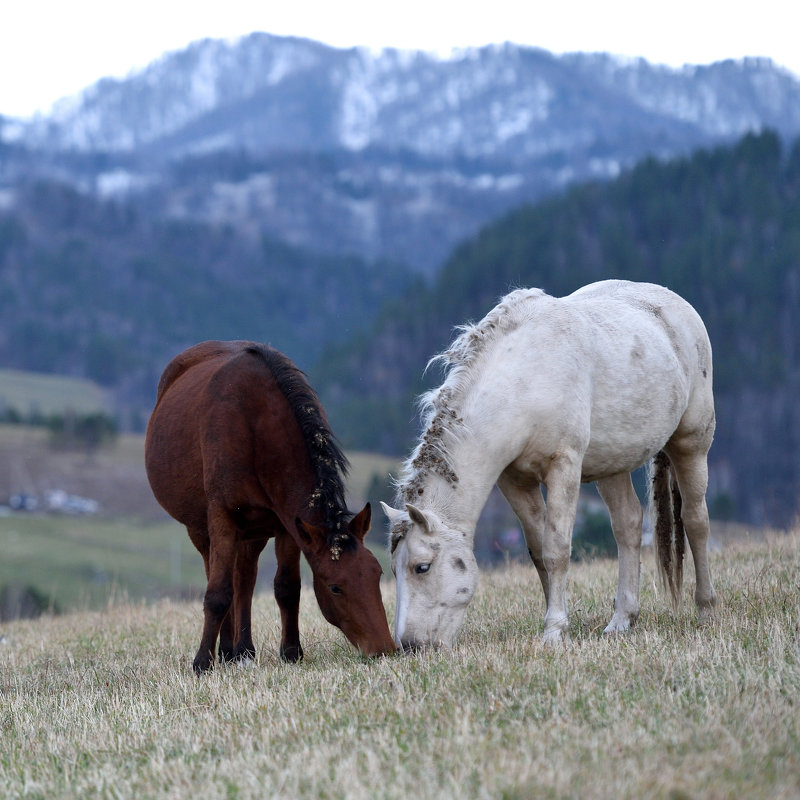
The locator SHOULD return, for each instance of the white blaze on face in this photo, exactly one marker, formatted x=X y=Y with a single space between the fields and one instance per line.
x=401 y=610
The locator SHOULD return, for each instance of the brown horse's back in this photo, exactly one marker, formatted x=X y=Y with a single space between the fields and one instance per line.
x=218 y=432
x=204 y=352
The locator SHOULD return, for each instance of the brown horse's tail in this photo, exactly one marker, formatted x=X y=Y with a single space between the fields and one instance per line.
x=669 y=536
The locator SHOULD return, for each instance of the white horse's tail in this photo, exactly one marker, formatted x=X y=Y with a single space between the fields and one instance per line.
x=669 y=537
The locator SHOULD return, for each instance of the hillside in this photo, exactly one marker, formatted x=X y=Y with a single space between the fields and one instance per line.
x=114 y=474
x=264 y=93
x=98 y=289
x=31 y=394
x=719 y=227
x=281 y=190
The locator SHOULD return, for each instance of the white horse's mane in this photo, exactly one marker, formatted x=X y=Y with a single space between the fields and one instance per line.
x=440 y=407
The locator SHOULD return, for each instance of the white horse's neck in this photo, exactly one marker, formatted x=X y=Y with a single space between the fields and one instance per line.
x=458 y=504
x=460 y=457
x=452 y=470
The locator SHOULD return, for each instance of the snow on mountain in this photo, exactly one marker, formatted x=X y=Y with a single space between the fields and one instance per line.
x=390 y=154
x=171 y=93
x=286 y=92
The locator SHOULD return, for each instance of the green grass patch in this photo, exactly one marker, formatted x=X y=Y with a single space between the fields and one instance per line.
x=80 y=562
x=32 y=393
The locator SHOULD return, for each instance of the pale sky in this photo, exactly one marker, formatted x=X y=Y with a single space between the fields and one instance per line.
x=53 y=48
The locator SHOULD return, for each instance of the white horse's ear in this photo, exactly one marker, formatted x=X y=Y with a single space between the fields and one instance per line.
x=418 y=518
x=391 y=513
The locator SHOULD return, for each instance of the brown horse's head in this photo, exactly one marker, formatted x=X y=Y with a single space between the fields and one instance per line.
x=347 y=583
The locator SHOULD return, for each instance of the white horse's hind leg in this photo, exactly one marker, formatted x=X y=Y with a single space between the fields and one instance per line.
x=525 y=498
x=563 y=486
x=691 y=472
x=626 y=522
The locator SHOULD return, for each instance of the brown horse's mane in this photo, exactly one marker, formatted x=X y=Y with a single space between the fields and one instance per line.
x=327 y=459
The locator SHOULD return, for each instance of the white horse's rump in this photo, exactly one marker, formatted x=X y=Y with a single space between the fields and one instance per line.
x=557 y=391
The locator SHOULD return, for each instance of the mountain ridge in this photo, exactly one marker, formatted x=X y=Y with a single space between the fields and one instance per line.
x=395 y=155
x=111 y=260
x=375 y=96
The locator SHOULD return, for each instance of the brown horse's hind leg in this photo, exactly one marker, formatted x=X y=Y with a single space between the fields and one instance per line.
x=287 y=595
x=244 y=583
x=200 y=540
x=219 y=591
x=227 y=639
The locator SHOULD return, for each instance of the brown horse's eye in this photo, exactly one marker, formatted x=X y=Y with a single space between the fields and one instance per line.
x=335 y=589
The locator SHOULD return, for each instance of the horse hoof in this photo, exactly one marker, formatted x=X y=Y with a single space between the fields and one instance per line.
x=705 y=616
x=242 y=654
x=614 y=630
x=202 y=664
x=620 y=623
x=292 y=654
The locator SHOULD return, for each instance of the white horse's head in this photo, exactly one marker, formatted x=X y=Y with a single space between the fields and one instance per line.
x=436 y=576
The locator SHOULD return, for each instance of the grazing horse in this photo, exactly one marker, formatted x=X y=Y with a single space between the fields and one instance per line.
x=239 y=450
x=555 y=392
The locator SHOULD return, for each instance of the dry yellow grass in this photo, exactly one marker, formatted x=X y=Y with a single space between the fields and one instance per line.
x=106 y=705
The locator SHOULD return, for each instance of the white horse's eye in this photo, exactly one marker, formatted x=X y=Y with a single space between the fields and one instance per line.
x=421 y=569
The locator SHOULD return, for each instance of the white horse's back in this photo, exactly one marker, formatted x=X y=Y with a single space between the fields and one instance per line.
x=611 y=371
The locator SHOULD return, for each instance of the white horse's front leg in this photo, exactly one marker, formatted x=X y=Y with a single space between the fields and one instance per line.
x=524 y=495
x=563 y=485
x=626 y=522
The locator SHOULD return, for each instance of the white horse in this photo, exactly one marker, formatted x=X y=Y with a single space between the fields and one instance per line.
x=558 y=391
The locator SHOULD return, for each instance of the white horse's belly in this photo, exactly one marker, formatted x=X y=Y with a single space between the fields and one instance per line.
x=629 y=433
x=602 y=463
x=611 y=426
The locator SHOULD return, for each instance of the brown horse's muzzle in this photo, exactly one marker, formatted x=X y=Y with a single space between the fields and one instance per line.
x=370 y=650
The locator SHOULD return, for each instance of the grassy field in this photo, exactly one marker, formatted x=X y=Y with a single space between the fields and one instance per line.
x=105 y=705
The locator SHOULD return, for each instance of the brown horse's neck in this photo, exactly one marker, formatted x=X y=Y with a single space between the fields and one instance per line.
x=323 y=492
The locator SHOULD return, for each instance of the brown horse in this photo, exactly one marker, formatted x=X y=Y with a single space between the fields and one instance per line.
x=239 y=450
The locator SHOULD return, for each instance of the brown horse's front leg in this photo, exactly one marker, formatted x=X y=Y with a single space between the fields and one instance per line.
x=287 y=595
x=244 y=584
x=227 y=636
x=219 y=591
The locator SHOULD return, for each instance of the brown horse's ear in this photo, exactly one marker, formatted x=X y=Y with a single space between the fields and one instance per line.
x=310 y=535
x=359 y=525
